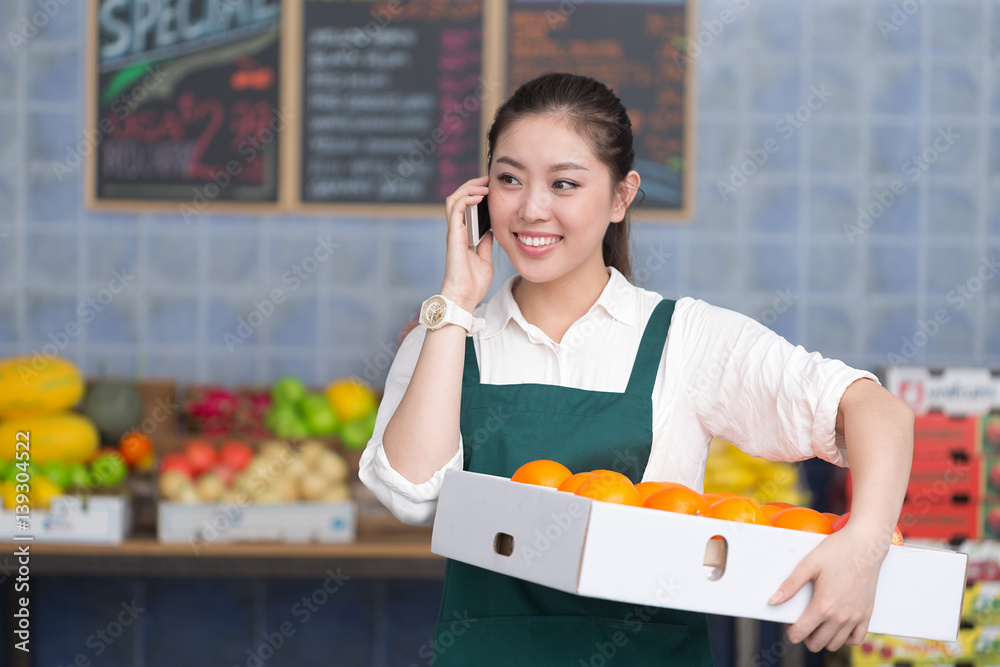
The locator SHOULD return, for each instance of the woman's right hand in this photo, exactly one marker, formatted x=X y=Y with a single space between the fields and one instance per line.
x=468 y=272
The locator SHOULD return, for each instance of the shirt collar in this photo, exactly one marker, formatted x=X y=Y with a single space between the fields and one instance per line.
x=618 y=299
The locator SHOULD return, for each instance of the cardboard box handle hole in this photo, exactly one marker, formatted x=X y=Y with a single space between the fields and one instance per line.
x=503 y=544
x=716 y=552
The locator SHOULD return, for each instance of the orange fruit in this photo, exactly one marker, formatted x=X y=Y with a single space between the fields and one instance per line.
x=610 y=490
x=612 y=473
x=712 y=498
x=572 y=483
x=542 y=472
x=646 y=489
x=802 y=518
x=831 y=516
x=728 y=494
x=744 y=510
x=137 y=449
x=783 y=506
x=771 y=510
x=678 y=499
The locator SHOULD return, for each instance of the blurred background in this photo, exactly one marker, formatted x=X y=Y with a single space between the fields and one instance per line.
x=875 y=217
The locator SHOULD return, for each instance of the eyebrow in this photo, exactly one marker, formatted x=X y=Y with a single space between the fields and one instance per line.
x=562 y=166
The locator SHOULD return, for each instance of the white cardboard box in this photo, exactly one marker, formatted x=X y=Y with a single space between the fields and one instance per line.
x=651 y=557
x=206 y=523
x=72 y=520
x=954 y=391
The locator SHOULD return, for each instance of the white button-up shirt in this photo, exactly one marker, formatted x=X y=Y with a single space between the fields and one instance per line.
x=721 y=374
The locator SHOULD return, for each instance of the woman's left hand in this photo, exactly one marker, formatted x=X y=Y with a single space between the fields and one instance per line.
x=844 y=569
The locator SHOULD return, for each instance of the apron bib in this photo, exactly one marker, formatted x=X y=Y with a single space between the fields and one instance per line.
x=492 y=619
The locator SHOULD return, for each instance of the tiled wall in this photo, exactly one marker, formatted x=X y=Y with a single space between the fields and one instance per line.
x=890 y=80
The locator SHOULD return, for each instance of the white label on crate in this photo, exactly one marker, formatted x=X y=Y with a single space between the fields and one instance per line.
x=955 y=391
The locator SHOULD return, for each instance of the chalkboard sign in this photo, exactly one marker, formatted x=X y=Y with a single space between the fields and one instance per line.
x=637 y=49
x=184 y=102
x=376 y=107
x=392 y=95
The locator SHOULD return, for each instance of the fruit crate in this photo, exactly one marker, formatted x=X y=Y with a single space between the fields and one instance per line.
x=276 y=491
x=73 y=520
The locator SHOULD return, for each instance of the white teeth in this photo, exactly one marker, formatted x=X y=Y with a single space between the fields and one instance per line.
x=536 y=241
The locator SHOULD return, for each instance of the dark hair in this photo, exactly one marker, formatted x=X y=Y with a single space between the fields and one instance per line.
x=592 y=110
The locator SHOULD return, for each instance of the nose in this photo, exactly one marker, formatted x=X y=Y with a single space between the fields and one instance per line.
x=535 y=204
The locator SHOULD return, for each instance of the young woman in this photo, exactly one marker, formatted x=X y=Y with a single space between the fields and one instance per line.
x=571 y=362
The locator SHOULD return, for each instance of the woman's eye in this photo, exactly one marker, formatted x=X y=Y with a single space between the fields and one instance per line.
x=563 y=185
x=507 y=179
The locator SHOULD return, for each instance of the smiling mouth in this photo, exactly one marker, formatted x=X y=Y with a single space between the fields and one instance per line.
x=537 y=241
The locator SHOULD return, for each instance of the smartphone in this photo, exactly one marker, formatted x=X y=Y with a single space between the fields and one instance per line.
x=477 y=222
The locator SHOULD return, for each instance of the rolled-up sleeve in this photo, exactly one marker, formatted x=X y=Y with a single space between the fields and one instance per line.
x=411 y=503
x=753 y=388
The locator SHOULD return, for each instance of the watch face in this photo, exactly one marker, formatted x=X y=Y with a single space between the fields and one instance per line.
x=434 y=311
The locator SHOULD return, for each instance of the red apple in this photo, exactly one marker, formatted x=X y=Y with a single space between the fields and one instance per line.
x=993 y=520
x=993 y=430
x=201 y=455
x=225 y=473
x=235 y=455
x=177 y=462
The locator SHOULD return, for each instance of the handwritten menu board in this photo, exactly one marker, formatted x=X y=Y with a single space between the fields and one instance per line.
x=377 y=107
x=185 y=102
x=391 y=100
x=634 y=48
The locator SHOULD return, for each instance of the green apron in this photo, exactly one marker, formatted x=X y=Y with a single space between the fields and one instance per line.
x=490 y=619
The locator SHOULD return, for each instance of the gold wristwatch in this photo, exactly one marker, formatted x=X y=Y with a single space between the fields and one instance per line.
x=438 y=311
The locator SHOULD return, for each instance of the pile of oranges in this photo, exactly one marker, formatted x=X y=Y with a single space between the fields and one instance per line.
x=614 y=487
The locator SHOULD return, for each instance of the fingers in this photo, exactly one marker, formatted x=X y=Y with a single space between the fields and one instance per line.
x=462 y=198
x=800 y=576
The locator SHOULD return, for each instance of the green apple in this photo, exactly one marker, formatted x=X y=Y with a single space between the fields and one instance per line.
x=79 y=477
x=355 y=434
x=318 y=414
x=287 y=390
x=285 y=421
x=57 y=472
x=109 y=469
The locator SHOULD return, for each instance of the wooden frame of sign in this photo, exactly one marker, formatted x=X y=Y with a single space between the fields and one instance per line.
x=306 y=181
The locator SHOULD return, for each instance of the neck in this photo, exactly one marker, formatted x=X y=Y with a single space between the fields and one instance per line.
x=553 y=306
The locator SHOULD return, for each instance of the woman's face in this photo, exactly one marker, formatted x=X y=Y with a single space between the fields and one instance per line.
x=550 y=199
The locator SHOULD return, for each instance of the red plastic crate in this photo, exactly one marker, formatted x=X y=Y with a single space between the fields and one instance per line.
x=938 y=436
x=941 y=520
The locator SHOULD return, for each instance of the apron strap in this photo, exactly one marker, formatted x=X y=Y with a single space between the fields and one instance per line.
x=647 y=360
x=470 y=375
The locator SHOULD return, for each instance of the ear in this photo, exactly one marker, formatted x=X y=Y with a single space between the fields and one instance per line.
x=624 y=194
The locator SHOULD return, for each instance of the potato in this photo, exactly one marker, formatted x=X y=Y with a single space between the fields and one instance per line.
x=172 y=483
x=332 y=466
